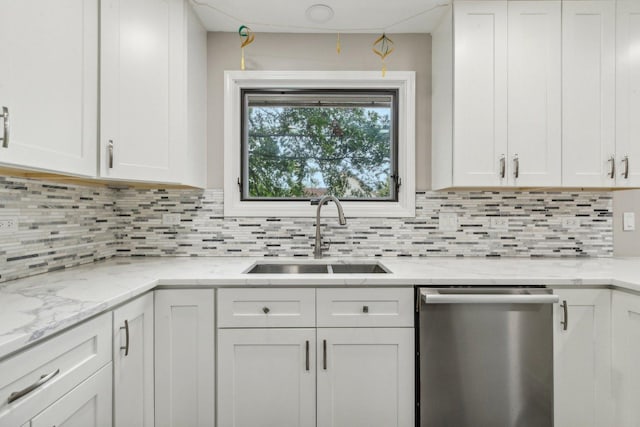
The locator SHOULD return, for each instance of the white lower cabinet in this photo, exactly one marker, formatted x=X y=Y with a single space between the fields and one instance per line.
x=87 y=405
x=266 y=377
x=133 y=363
x=626 y=354
x=184 y=358
x=365 y=377
x=582 y=334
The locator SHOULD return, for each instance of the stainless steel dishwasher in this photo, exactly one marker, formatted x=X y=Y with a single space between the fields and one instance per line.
x=485 y=357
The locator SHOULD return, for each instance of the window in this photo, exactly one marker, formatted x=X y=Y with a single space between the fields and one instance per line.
x=295 y=136
x=304 y=144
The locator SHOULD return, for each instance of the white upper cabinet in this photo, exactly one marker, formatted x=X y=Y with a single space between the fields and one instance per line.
x=49 y=85
x=141 y=79
x=506 y=110
x=588 y=93
x=628 y=92
x=153 y=92
x=534 y=76
x=480 y=97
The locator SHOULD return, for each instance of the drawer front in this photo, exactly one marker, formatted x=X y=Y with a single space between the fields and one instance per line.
x=67 y=359
x=266 y=308
x=365 y=307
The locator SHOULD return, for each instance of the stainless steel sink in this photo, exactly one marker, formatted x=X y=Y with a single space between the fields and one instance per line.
x=289 y=269
x=317 y=268
x=358 y=269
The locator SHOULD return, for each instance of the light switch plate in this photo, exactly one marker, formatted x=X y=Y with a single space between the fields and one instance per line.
x=628 y=221
x=499 y=223
x=170 y=219
x=570 y=222
x=448 y=221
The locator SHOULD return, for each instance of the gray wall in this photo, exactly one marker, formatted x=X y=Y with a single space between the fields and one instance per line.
x=626 y=243
x=275 y=51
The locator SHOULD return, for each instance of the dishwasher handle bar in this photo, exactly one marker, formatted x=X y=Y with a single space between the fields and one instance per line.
x=432 y=296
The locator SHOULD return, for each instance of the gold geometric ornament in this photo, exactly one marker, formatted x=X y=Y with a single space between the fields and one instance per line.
x=383 y=47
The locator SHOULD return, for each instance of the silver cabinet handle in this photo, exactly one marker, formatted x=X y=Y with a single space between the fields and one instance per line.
x=516 y=167
x=306 y=360
x=265 y=310
x=503 y=166
x=5 y=137
x=126 y=341
x=625 y=174
x=612 y=169
x=324 y=354
x=432 y=296
x=43 y=380
x=110 y=148
x=565 y=321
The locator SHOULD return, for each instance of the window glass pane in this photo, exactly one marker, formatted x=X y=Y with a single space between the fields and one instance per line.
x=303 y=145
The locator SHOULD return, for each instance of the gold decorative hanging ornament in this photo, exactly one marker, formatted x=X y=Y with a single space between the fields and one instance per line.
x=383 y=47
x=246 y=38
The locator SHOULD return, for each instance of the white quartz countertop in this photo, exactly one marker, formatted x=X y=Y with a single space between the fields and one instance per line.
x=38 y=306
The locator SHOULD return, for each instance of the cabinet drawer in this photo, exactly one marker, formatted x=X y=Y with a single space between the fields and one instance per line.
x=366 y=307
x=266 y=308
x=74 y=355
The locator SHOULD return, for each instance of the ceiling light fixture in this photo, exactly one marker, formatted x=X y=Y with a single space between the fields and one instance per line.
x=319 y=13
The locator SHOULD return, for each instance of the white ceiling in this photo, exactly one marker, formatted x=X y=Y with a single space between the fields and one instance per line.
x=350 y=16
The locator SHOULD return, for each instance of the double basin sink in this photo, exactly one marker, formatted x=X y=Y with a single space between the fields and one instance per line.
x=317 y=268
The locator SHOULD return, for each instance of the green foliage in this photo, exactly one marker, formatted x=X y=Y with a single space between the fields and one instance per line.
x=293 y=152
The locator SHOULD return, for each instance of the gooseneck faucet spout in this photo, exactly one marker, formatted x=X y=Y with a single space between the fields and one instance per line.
x=318 y=248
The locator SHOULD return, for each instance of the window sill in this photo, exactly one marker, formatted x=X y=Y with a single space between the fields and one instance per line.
x=306 y=210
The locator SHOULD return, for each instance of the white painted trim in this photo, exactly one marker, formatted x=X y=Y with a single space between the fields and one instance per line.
x=404 y=81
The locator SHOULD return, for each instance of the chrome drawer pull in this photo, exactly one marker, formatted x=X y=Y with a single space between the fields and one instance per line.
x=110 y=148
x=5 y=137
x=503 y=167
x=126 y=345
x=516 y=167
x=324 y=354
x=565 y=321
x=625 y=174
x=307 y=355
x=43 y=380
x=612 y=171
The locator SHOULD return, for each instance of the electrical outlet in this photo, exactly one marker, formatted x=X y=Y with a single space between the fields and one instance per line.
x=170 y=219
x=8 y=225
x=448 y=221
x=628 y=221
x=570 y=222
x=499 y=223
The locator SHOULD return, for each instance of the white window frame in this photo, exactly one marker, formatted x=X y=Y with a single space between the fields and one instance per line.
x=235 y=81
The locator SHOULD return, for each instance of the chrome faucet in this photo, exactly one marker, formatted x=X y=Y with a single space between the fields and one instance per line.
x=317 y=250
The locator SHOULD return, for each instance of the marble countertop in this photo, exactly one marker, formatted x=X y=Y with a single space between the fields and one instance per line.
x=38 y=306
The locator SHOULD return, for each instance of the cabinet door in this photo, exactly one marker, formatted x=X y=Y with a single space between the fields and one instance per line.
x=583 y=359
x=534 y=93
x=142 y=89
x=133 y=363
x=588 y=93
x=185 y=362
x=626 y=353
x=480 y=100
x=366 y=377
x=87 y=405
x=266 y=377
x=49 y=83
x=628 y=91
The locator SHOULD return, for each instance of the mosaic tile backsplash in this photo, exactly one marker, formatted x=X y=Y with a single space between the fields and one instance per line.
x=65 y=225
